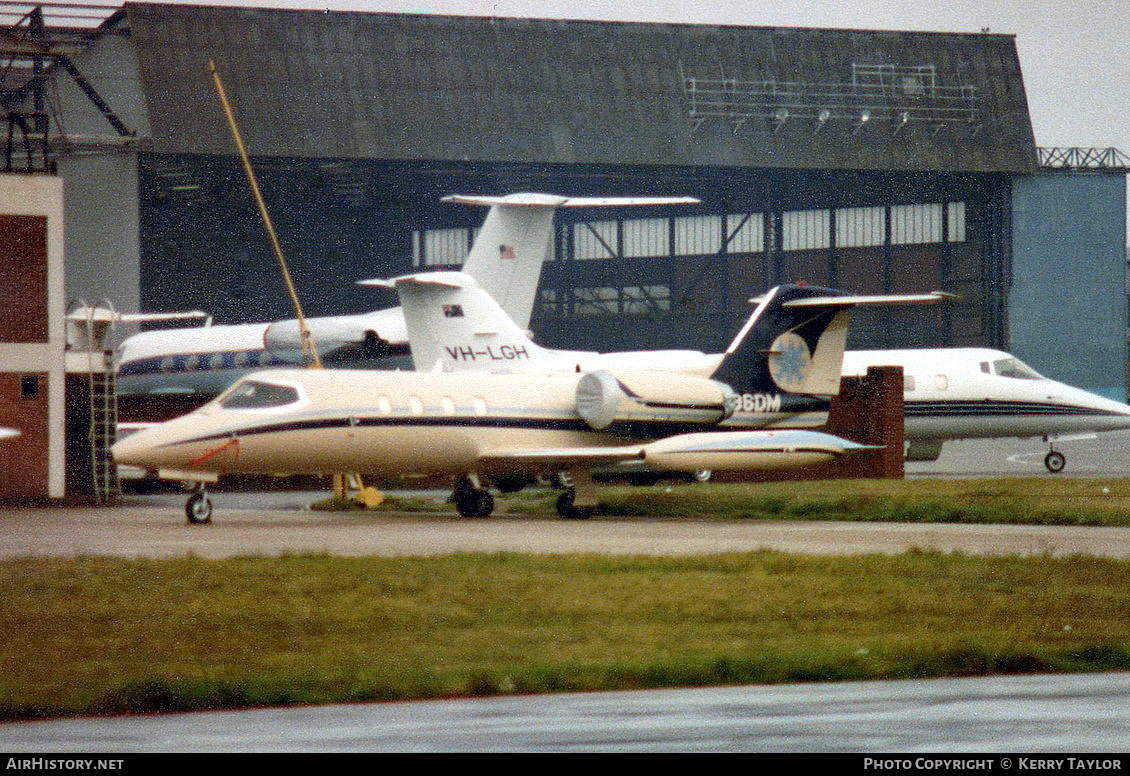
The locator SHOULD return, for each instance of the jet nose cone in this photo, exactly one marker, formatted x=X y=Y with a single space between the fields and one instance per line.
x=133 y=450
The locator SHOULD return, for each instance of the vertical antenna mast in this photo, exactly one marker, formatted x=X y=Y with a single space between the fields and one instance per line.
x=309 y=352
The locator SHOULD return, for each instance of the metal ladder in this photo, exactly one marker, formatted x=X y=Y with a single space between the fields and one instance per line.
x=103 y=432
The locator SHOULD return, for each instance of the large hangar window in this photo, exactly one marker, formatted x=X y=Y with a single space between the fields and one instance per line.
x=806 y=230
x=595 y=240
x=441 y=247
x=647 y=237
x=605 y=301
x=698 y=235
x=916 y=224
x=860 y=227
x=745 y=233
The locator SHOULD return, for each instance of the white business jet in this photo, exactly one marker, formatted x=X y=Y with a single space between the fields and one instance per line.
x=950 y=393
x=506 y=259
x=755 y=410
x=970 y=393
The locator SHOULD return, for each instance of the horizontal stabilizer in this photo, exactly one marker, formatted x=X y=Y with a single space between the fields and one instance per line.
x=882 y=299
x=846 y=300
x=441 y=279
x=553 y=200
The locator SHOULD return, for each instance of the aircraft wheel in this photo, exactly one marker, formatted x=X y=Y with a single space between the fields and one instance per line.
x=703 y=475
x=1055 y=461
x=567 y=511
x=198 y=509
x=475 y=503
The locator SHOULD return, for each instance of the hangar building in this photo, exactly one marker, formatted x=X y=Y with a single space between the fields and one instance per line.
x=875 y=161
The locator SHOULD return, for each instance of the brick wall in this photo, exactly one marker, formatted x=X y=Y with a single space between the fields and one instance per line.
x=23 y=460
x=23 y=278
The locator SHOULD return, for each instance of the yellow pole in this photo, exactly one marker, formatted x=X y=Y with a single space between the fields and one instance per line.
x=309 y=352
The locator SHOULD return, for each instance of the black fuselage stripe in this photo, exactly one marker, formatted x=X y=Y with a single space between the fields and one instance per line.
x=627 y=429
x=996 y=409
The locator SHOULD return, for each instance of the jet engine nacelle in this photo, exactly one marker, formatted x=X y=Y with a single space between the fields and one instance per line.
x=604 y=398
x=330 y=335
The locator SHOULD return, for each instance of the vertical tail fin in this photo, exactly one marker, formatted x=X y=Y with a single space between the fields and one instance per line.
x=516 y=239
x=787 y=349
x=794 y=342
x=513 y=243
x=455 y=325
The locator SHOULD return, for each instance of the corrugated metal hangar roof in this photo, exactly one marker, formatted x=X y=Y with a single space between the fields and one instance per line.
x=398 y=86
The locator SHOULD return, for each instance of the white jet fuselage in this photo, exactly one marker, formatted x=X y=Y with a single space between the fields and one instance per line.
x=207 y=359
x=966 y=393
x=374 y=423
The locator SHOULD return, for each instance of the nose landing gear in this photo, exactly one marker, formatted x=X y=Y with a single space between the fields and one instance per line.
x=1055 y=461
x=198 y=509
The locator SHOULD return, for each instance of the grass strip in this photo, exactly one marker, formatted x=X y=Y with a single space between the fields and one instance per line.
x=106 y=635
x=1029 y=501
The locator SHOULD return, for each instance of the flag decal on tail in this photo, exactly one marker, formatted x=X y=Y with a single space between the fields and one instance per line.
x=453 y=311
x=506 y=252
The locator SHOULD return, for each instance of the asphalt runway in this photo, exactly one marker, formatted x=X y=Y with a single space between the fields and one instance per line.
x=1045 y=714
x=280 y=522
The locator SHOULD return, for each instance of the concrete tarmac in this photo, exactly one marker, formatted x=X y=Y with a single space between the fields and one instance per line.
x=156 y=529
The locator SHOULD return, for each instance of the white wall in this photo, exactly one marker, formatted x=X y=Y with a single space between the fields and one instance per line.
x=42 y=195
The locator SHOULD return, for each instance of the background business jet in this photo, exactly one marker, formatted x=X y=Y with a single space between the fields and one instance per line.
x=971 y=393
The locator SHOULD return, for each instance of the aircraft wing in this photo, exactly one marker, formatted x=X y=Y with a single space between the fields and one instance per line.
x=560 y=458
x=106 y=315
x=718 y=450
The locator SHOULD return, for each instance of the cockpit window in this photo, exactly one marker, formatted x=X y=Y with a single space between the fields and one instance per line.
x=1014 y=367
x=253 y=394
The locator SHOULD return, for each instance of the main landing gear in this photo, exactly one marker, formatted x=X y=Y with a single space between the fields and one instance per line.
x=198 y=509
x=471 y=499
x=576 y=502
x=567 y=508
